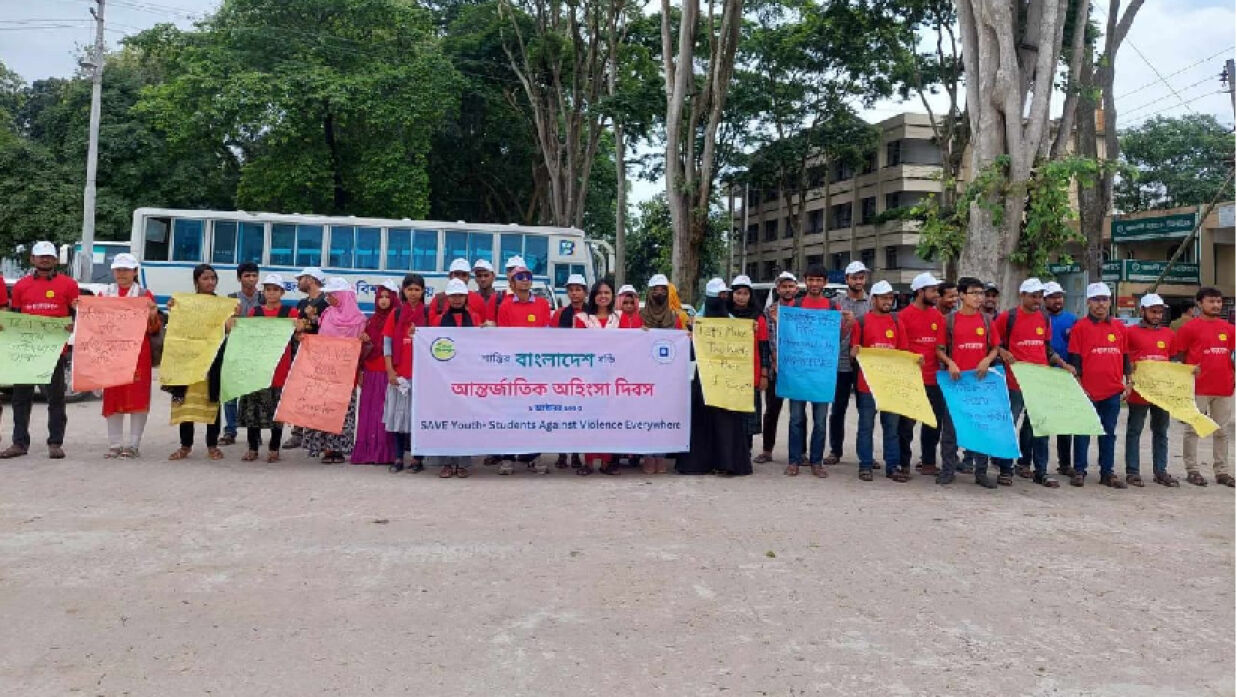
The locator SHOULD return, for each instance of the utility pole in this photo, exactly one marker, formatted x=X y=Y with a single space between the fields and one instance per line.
x=1229 y=78
x=86 y=265
x=747 y=205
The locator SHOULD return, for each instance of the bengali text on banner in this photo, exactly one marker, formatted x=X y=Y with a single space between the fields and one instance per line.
x=807 y=353
x=255 y=346
x=980 y=412
x=31 y=346
x=482 y=391
x=107 y=340
x=1170 y=386
x=726 y=359
x=195 y=331
x=320 y=384
x=1055 y=401
x=897 y=383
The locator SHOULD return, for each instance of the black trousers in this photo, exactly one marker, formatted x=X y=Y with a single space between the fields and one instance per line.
x=57 y=418
x=837 y=417
x=212 y=434
x=773 y=411
x=254 y=436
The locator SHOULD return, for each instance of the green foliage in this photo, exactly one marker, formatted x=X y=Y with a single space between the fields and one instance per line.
x=1174 y=161
x=942 y=231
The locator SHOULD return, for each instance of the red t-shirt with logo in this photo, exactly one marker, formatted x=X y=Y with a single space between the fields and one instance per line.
x=875 y=331
x=972 y=342
x=46 y=297
x=1148 y=344
x=533 y=313
x=285 y=361
x=1208 y=344
x=810 y=303
x=922 y=331
x=1102 y=348
x=1029 y=340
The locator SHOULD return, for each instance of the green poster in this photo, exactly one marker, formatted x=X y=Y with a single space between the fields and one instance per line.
x=31 y=346
x=1056 y=402
x=254 y=348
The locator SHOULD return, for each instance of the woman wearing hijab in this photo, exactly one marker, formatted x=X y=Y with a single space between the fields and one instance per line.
x=659 y=313
x=720 y=438
x=411 y=313
x=341 y=319
x=132 y=399
x=373 y=443
x=742 y=306
x=629 y=308
x=199 y=402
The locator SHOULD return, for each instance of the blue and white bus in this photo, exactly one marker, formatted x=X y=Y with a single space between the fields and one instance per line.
x=170 y=242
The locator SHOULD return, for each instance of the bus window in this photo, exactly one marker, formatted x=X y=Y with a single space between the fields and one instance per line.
x=399 y=249
x=536 y=253
x=309 y=245
x=456 y=247
x=283 y=240
x=251 y=242
x=424 y=250
x=342 y=239
x=156 y=238
x=368 y=246
x=223 y=247
x=562 y=271
x=510 y=245
x=480 y=246
x=186 y=240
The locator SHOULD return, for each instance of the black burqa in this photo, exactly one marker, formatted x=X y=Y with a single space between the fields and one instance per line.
x=719 y=439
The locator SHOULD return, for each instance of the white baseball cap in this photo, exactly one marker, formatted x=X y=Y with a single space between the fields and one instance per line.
x=924 y=280
x=576 y=279
x=624 y=289
x=714 y=287
x=1098 y=290
x=460 y=265
x=1053 y=288
x=881 y=288
x=390 y=284
x=124 y=260
x=483 y=264
x=855 y=267
x=741 y=280
x=335 y=284
x=456 y=287
x=313 y=272
x=515 y=261
x=786 y=276
x=658 y=279
x=43 y=249
x=1151 y=300
x=273 y=279
x=1031 y=285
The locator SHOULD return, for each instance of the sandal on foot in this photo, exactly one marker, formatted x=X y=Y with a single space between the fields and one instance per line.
x=865 y=475
x=1024 y=471
x=1225 y=480
x=1166 y=479
x=461 y=472
x=762 y=458
x=898 y=476
x=1005 y=479
x=446 y=472
x=1196 y=479
x=791 y=471
x=249 y=456
x=180 y=454
x=832 y=459
x=819 y=471
x=1112 y=481
x=214 y=453
x=130 y=453
x=272 y=456
x=1134 y=480
x=113 y=453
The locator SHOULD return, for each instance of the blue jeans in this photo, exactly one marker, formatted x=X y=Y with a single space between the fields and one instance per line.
x=1039 y=445
x=1159 y=437
x=798 y=432
x=229 y=418
x=889 y=434
x=1108 y=409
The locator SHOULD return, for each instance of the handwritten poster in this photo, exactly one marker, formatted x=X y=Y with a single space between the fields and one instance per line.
x=107 y=340
x=980 y=412
x=897 y=383
x=321 y=383
x=1170 y=386
x=255 y=346
x=1055 y=401
x=807 y=353
x=726 y=359
x=31 y=346
x=195 y=330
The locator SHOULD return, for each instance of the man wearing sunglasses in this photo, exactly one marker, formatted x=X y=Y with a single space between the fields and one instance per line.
x=520 y=308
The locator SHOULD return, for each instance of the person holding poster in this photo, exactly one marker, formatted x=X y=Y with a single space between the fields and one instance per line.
x=248 y=298
x=1207 y=342
x=457 y=315
x=741 y=306
x=199 y=402
x=1149 y=340
x=309 y=310
x=373 y=442
x=814 y=278
x=1062 y=323
x=787 y=288
x=256 y=410
x=521 y=309
x=132 y=399
x=1097 y=350
x=923 y=329
x=395 y=344
x=854 y=303
x=47 y=293
x=877 y=328
x=342 y=319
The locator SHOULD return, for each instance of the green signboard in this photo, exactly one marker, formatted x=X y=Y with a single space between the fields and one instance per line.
x=1160 y=227
x=1141 y=271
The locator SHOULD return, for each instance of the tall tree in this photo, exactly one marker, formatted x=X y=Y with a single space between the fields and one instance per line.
x=1179 y=161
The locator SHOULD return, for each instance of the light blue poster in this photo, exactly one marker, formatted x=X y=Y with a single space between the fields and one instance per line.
x=980 y=412
x=807 y=353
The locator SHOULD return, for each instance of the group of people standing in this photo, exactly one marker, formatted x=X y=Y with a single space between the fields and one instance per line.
x=953 y=327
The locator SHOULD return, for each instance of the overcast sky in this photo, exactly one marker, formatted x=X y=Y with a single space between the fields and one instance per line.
x=1169 y=64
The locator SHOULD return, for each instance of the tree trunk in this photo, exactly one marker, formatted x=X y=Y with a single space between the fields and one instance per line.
x=620 y=207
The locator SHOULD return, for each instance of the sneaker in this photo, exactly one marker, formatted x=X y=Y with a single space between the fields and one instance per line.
x=505 y=468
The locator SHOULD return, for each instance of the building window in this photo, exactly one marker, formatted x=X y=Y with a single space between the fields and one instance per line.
x=815 y=221
x=868 y=257
x=891 y=257
x=840 y=260
x=770 y=195
x=840 y=216
x=815 y=259
x=789 y=264
x=788 y=229
x=753 y=269
x=753 y=233
x=816 y=177
x=842 y=171
x=753 y=197
x=869 y=162
x=893 y=153
x=770 y=230
x=867 y=210
x=770 y=269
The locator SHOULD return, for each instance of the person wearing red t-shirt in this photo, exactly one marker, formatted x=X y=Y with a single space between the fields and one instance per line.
x=1026 y=335
x=457 y=315
x=520 y=308
x=629 y=309
x=47 y=293
x=459 y=269
x=410 y=313
x=483 y=274
x=876 y=329
x=923 y=330
x=256 y=411
x=814 y=278
x=1149 y=340
x=1207 y=342
x=1097 y=351
x=971 y=343
x=564 y=318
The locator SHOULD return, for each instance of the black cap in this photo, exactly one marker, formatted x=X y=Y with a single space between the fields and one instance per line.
x=991 y=286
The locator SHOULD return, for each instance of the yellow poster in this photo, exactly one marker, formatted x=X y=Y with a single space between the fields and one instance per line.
x=195 y=331
x=1170 y=386
x=726 y=359
x=897 y=383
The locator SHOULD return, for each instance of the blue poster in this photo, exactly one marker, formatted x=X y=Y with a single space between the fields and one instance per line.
x=807 y=353
x=980 y=412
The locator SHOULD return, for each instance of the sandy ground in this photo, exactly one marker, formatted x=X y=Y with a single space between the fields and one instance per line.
x=229 y=578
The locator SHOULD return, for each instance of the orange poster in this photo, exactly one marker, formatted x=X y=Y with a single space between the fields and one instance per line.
x=320 y=384
x=107 y=341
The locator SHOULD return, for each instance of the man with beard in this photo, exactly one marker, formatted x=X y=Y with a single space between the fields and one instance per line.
x=1207 y=342
x=922 y=327
x=787 y=289
x=854 y=304
x=992 y=300
x=1097 y=350
x=947 y=301
x=1149 y=340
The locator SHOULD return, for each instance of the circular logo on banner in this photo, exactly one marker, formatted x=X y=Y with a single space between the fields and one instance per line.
x=443 y=349
x=1039 y=330
x=663 y=352
x=1159 y=344
x=979 y=331
x=1112 y=337
x=888 y=333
